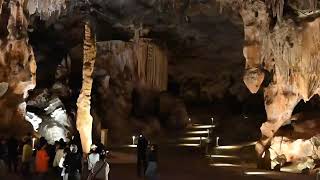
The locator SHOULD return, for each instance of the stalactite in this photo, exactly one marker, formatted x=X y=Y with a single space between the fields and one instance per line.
x=46 y=8
x=84 y=118
x=1 y=3
x=152 y=64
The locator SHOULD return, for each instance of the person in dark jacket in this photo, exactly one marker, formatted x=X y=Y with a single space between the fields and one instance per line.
x=72 y=163
x=152 y=169
x=141 y=154
x=13 y=154
x=3 y=157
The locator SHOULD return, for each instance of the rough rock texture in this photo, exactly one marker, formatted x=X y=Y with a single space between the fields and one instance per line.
x=46 y=8
x=297 y=142
x=127 y=82
x=128 y=79
x=283 y=52
x=48 y=116
x=17 y=66
x=84 y=118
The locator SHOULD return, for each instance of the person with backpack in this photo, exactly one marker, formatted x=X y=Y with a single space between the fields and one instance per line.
x=101 y=169
x=93 y=157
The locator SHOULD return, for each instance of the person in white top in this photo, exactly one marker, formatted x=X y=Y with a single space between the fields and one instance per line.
x=59 y=155
x=93 y=158
x=101 y=169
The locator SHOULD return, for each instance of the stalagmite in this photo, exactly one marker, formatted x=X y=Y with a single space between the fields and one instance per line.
x=84 y=118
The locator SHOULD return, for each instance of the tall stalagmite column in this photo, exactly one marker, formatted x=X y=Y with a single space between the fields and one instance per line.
x=84 y=118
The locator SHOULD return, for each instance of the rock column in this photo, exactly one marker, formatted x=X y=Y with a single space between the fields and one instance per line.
x=84 y=118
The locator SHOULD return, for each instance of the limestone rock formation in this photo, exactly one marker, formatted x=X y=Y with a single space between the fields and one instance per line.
x=282 y=51
x=46 y=8
x=297 y=142
x=84 y=118
x=17 y=66
x=124 y=72
x=49 y=118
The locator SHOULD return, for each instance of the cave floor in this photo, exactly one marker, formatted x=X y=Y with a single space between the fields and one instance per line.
x=182 y=163
x=183 y=158
x=188 y=163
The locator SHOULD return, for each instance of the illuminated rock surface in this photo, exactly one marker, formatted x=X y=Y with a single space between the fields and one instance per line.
x=84 y=118
x=49 y=118
x=284 y=53
x=148 y=47
x=17 y=68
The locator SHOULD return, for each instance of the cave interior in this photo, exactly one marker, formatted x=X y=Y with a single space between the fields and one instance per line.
x=78 y=67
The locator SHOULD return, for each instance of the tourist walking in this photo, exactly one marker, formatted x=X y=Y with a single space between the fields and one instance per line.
x=152 y=169
x=42 y=161
x=26 y=158
x=141 y=155
x=72 y=163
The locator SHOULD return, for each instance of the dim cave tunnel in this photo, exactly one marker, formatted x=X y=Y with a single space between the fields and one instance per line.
x=233 y=74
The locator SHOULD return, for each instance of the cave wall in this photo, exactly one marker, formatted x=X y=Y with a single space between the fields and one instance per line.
x=17 y=67
x=281 y=51
x=129 y=80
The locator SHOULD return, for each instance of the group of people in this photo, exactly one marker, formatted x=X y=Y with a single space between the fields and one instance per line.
x=147 y=159
x=62 y=160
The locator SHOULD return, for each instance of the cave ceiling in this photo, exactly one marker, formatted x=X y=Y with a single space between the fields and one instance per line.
x=193 y=31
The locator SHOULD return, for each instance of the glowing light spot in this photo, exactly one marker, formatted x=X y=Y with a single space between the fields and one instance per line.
x=225 y=165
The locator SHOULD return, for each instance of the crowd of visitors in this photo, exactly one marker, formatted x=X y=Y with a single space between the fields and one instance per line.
x=39 y=160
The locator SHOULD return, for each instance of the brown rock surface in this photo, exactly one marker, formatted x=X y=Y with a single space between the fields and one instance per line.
x=286 y=48
x=17 y=67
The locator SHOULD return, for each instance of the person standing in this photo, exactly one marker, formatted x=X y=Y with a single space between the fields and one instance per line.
x=3 y=157
x=72 y=163
x=26 y=157
x=59 y=155
x=13 y=154
x=101 y=169
x=152 y=169
x=42 y=161
x=93 y=157
x=141 y=154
